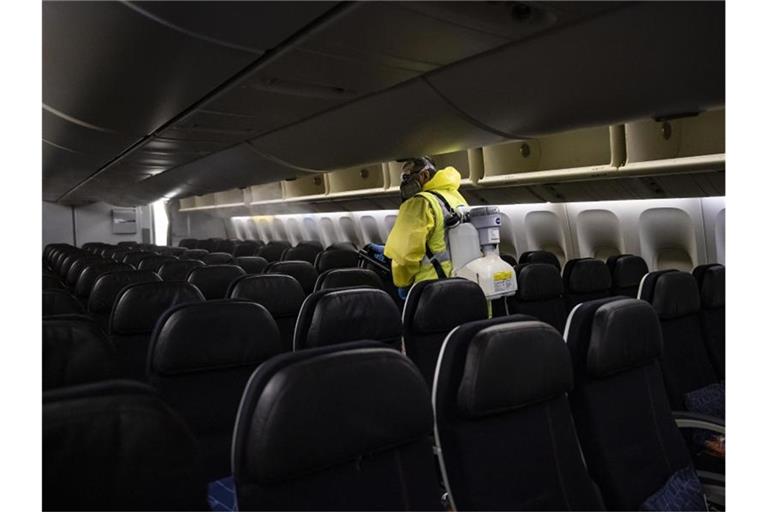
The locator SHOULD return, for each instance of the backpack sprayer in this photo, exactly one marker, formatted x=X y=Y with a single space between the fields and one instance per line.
x=473 y=241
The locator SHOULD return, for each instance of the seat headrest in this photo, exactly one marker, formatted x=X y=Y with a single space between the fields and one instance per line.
x=75 y=351
x=154 y=263
x=178 y=270
x=336 y=258
x=60 y=302
x=509 y=366
x=139 y=306
x=711 y=281
x=673 y=294
x=627 y=270
x=212 y=335
x=538 y=281
x=303 y=252
x=273 y=250
x=217 y=258
x=214 y=280
x=303 y=271
x=540 y=257
x=193 y=254
x=92 y=272
x=586 y=275
x=251 y=264
x=437 y=306
x=348 y=277
x=108 y=286
x=625 y=334
x=87 y=428
x=278 y=437
x=333 y=316
x=282 y=295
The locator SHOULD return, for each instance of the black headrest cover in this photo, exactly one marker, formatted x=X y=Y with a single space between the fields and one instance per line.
x=540 y=257
x=628 y=270
x=108 y=286
x=712 y=287
x=301 y=421
x=437 y=306
x=510 y=366
x=139 y=306
x=333 y=316
x=282 y=295
x=625 y=334
x=675 y=294
x=336 y=258
x=75 y=350
x=212 y=335
x=348 y=277
x=538 y=281
x=178 y=270
x=586 y=275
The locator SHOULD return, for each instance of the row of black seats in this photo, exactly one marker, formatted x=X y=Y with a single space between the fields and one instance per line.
x=275 y=250
x=587 y=422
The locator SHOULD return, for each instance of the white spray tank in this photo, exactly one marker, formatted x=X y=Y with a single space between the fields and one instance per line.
x=474 y=248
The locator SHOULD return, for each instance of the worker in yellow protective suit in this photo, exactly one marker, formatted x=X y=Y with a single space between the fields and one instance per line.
x=417 y=244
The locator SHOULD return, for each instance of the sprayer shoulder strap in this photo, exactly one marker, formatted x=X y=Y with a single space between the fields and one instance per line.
x=435 y=261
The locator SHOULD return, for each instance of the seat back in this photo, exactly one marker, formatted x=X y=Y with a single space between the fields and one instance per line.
x=225 y=246
x=60 y=302
x=433 y=309
x=274 y=250
x=363 y=444
x=193 y=254
x=247 y=248
x=500 y=396
x=137 y=309
x=154 y=263
x=91 y=273
x=200 y=358
x=133 y=258
x=217 y=258
x=189 y=243
x=627 y=270
x=335 y=258
x=115 y=446
x=302 y=271
x=540 y=294
x=333 y=316
x=629 y=438
x=251 y=264
x=585 y=279
x=108 y=286
x=75 y=351
x=540 y=257
x=214 y=280
x=685 y=360
x=282 y=295
x=171 y=251
x=178 y=270
x=51 y=282
x=208 y=244
x=347 y=278
x=304 y=251
x=711 y=281
x=77 y=268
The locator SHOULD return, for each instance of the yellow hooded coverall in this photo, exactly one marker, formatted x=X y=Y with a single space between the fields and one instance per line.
x=419 y=222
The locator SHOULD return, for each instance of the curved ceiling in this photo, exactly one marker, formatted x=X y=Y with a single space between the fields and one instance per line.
x=151 y=99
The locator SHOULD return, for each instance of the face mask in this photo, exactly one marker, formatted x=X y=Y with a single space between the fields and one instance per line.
x=409 y=186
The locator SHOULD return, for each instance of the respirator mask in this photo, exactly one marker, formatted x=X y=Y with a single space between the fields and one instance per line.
x=410 y=185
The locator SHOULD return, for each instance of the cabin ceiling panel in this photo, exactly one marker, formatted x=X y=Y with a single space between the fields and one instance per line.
x=251 y=26
x=371 y=130
x=664 y=58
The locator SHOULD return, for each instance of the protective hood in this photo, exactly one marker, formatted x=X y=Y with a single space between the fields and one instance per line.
x=447 y=178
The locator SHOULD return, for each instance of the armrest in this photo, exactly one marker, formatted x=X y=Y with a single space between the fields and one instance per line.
x=685 y=419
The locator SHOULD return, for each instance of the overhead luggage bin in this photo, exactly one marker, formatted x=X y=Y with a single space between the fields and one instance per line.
x=688 y=143
x=305 y=188
x=358 y=179
x=586 y=151
x=264 y=194
x=232 y=197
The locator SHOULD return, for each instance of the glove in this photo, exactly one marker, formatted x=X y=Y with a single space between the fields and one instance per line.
x=403 y=293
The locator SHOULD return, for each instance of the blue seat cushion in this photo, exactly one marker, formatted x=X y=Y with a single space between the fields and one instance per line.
x=708 y=400
x=682 y=491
